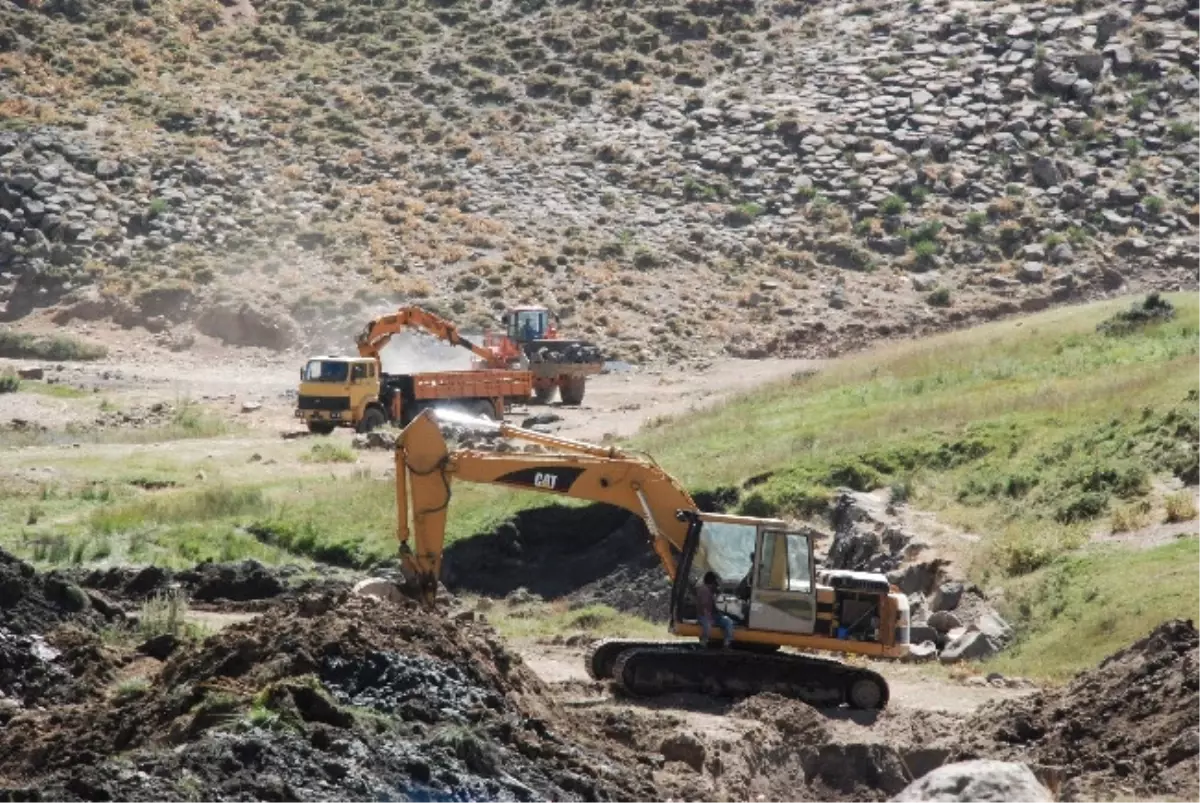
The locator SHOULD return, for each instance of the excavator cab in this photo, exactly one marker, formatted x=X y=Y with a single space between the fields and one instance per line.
x=765 y=574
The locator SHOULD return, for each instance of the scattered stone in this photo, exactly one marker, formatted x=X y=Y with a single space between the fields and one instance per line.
x=977 y=780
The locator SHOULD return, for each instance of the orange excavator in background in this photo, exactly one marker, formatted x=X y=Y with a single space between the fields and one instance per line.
x=356 y=392
x=769 y=584
x=378 y=333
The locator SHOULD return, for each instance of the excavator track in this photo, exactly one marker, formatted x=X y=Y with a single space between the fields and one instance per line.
x=602 y=655
x=645 y=671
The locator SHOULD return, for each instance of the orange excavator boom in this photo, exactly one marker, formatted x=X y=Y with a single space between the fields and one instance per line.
x=377 y=333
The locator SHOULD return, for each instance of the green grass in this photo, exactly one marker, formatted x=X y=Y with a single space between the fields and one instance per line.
x=1029 y=431
x=9 y=382
x=54 y=390
x=1096 y=602
x=189 y=421
x=19 y=346
x=329 y=452
x=539 y=620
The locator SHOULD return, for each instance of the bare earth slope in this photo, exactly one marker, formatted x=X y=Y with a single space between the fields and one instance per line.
x=675 y=178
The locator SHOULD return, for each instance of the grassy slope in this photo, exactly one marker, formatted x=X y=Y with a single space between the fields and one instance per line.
x=1033 y=433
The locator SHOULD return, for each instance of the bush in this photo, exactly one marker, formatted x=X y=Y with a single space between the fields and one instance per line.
x=1081 y=507
x=326 y=452
x=1181 y=507
x=919 y=195
x=1154 y=205
x=9 y=383
x=939 y=298
x=893 y=205
x=17 y=346
x=1153 y=309
x=925 y=250
x=975 y=221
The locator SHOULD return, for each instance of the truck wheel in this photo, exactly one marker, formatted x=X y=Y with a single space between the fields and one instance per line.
x=544 y=395
x=372 y=419
x=320 y=427
x=572 y=389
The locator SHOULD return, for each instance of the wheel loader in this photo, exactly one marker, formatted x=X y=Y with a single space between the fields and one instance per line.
x=559 y=365
x=769 y=585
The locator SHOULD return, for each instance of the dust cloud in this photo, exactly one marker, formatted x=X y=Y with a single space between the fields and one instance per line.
x=413 y=352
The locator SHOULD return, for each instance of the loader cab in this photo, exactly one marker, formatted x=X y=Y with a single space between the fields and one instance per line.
x=766 y=573
x=523 y=324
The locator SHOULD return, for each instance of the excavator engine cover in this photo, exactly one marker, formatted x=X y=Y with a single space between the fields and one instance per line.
x=855 y=581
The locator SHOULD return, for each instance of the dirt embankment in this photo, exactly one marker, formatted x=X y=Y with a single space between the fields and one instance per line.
x=326 y=695
x=1129 y=727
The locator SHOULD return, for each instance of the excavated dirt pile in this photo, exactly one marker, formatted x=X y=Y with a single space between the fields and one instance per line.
x=326 y=696
x=49 y=650
x=1129 y=727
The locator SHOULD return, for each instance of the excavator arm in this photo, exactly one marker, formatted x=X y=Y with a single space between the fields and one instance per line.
x=376 y=334
x=426 y=471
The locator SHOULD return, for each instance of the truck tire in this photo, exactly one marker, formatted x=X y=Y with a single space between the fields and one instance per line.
x=372 y=419
x=572 y=389
x=544 y=395
x=321 y=427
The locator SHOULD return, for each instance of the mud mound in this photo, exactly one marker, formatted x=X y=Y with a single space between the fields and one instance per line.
x=32 y=603
x=551 y=551
x=791 y=718
x=322 y=697
x=241 y=581
x=1126 y=727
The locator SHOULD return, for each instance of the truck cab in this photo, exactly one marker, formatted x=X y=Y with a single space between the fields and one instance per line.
x=337 y=392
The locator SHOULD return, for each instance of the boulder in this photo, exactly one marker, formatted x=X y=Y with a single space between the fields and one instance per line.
x=970 y=646
x=683 y=747
x=982 y=780
x=947 y=597
x=943 y=621
x=246 y=326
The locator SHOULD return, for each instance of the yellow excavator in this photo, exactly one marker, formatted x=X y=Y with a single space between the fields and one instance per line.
x=769 y=584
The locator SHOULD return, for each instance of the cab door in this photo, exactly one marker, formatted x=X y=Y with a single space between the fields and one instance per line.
x=783 y=593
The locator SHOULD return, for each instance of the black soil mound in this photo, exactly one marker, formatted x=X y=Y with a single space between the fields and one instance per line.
x=326 y=696
x=1130 y=724
x=593 y=554
x=241 y=581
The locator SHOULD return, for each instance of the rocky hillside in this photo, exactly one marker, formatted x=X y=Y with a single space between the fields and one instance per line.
x=675 y=178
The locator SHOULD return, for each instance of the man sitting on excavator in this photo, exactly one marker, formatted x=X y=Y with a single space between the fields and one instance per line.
x=706 y=599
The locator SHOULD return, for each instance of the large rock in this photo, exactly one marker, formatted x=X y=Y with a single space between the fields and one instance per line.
x=246 y=326
x=947 y=597
x=970 y=646
x=943 y=621
x=981 y=780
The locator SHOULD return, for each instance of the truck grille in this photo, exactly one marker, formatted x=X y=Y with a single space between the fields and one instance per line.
x=324 y=403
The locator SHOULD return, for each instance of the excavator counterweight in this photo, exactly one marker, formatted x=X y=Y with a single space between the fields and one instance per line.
x=767 y=580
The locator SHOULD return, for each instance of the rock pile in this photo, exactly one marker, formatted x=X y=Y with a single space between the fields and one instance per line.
x=880 y=169
x=1127 y=728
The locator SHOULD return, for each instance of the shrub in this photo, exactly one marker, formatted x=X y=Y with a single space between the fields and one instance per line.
x=893 y=205
x=1181 y=507
x=1153 y=309
x=1183 y=130
x=327 y=452
x=17 y=346
x=919 y=195
x=9 y=382
x=975 y=221
x=940 y=297
x=1154 y=204
x=1133 y=516
x=925 y=250
x=806 y=193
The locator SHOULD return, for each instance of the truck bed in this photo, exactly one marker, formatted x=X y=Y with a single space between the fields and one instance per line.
x=477 y=384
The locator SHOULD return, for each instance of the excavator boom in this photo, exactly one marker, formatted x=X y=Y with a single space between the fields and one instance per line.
x=376 y=334
x=425 y=470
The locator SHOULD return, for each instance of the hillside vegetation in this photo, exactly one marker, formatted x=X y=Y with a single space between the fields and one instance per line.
x=1035 y=434
x=675 y=177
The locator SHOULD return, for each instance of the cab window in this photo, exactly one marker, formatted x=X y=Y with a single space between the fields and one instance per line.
x=325 y=371
x=358 y=372
x=783 y=565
